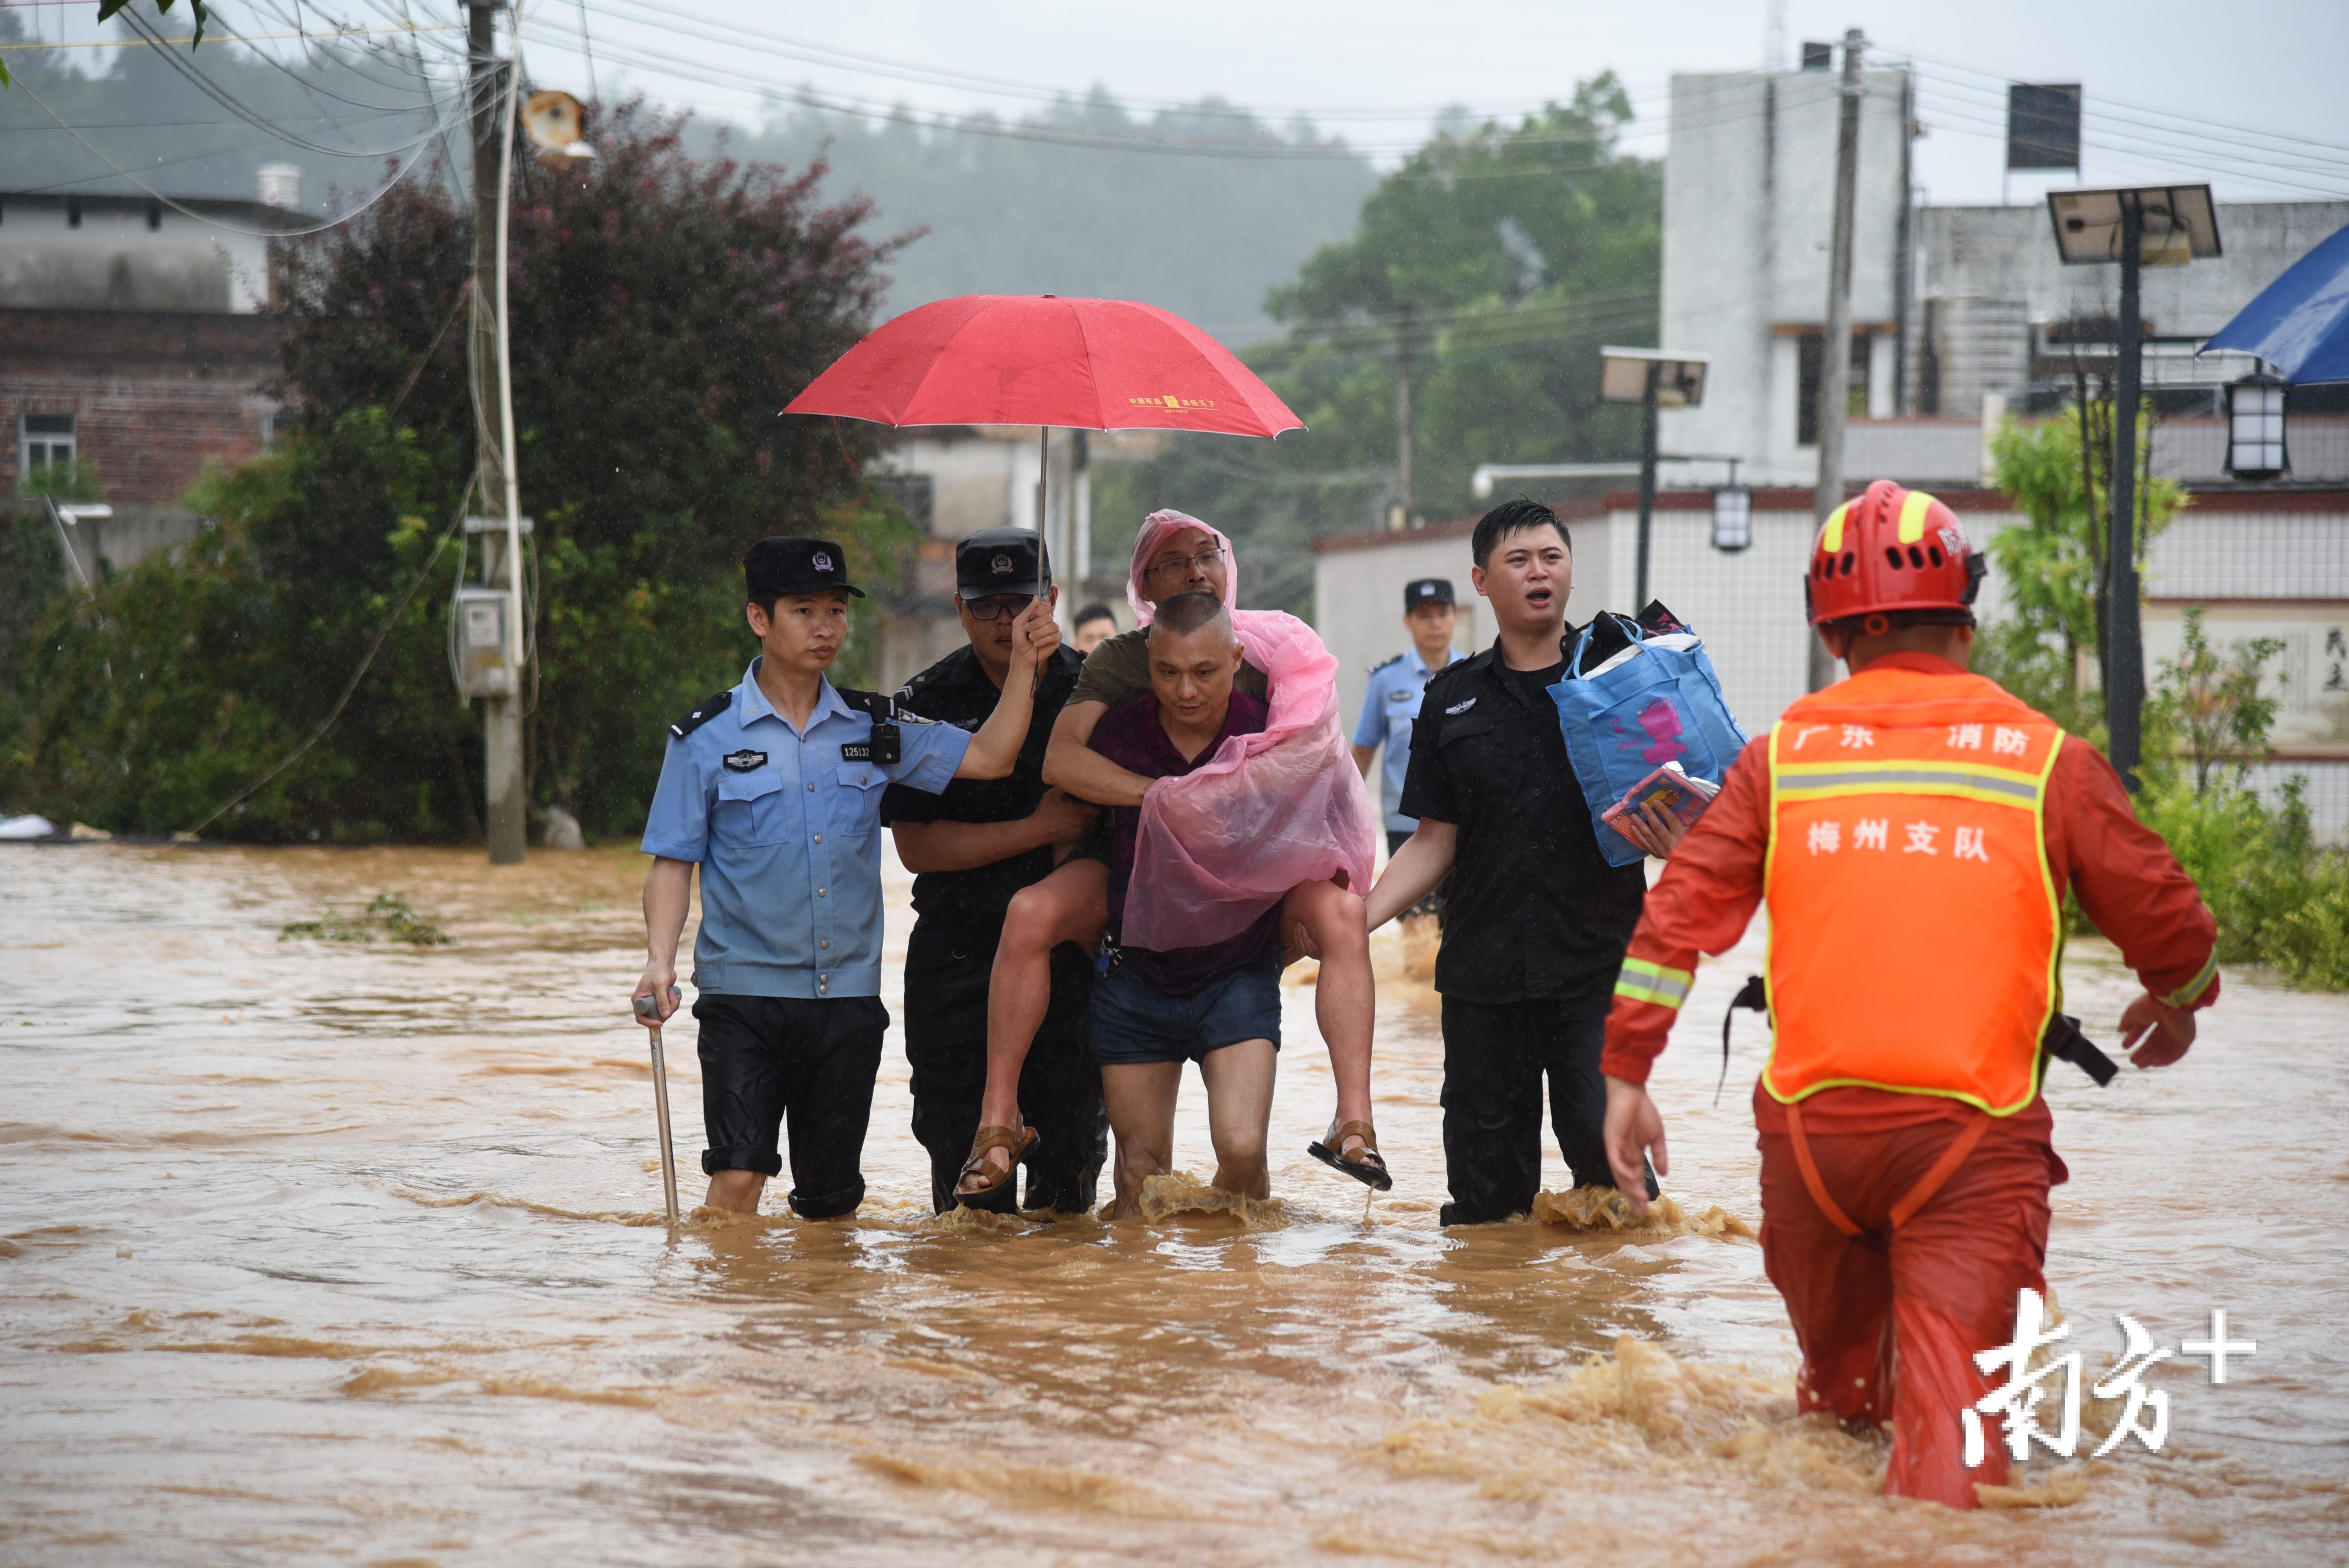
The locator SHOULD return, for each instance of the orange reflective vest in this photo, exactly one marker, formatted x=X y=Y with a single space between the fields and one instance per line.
x=1914 y=927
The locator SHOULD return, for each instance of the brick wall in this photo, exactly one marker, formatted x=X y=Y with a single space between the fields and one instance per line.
x=154 y=394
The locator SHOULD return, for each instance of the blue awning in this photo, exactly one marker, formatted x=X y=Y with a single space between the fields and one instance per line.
x=2300 y=323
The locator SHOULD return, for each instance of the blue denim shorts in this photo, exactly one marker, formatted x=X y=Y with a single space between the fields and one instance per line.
x=1135 y=1022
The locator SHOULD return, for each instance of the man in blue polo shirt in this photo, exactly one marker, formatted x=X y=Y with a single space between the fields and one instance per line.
x=774 y=790
x=1389 y=709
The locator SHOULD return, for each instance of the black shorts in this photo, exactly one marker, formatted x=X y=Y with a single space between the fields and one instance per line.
x=813 y=1061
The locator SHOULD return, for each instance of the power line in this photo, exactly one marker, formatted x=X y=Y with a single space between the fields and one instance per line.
x=258 y=121
x=887 y=68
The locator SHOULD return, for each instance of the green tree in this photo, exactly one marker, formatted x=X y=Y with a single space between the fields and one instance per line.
x=663 y=310
x=1490 y=267
x=2052 y=566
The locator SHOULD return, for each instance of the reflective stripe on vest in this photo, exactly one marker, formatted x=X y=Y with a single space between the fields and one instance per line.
x=1914 y=926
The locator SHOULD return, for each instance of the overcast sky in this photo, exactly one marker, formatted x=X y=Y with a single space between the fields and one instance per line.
x=2172 y=86
x=2247 y=96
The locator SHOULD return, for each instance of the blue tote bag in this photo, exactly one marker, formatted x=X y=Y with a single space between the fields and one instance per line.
x=1661 y=705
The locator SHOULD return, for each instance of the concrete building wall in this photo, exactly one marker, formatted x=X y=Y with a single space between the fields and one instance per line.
x=124 y=252
x=97 y=545
x=1990 y=276
x=1749 y=207
x=1929 y=450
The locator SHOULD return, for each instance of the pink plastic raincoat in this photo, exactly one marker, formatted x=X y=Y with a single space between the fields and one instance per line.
x=1271 y=810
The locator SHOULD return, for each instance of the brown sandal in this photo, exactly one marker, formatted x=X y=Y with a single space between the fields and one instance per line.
x=1000 y=1195
x=1368 y=1166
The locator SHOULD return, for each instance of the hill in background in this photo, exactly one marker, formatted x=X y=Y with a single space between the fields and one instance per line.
x=1202 y=210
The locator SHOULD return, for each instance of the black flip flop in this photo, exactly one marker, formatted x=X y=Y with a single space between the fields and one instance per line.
x=1360 y=1167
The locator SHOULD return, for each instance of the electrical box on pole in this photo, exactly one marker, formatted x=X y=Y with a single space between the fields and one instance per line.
x=477 y=643
x=480 y=651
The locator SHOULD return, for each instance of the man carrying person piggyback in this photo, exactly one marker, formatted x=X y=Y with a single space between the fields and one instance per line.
x=1219 y=1004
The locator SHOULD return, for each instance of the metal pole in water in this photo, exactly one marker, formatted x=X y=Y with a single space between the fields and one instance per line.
x=649 y=1008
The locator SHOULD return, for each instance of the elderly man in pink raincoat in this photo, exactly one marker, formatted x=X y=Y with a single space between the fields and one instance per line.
x=1277 y=817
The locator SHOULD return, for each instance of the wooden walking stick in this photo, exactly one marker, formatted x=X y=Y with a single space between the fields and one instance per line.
x=649 y=1008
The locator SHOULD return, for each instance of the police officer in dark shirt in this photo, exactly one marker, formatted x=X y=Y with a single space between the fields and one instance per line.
x=1536 y=920
x=970 y=849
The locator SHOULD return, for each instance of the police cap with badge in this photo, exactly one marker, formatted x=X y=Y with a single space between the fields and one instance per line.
x=784 y=564
x=790 y=564
x=1006 y=562
x=1426 y=591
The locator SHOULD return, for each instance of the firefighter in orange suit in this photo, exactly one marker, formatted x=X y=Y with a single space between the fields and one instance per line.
x=1914 y=829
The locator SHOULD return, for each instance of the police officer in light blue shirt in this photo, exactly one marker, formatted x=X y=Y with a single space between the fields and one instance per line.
x=774 y=789
x=1393 y=703
x=1396 y=687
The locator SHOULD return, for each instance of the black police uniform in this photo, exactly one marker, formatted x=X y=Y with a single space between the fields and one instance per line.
x=1536 y=921
x=950 y=956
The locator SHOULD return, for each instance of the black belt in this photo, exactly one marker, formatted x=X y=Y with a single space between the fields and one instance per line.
x=2062 y=1040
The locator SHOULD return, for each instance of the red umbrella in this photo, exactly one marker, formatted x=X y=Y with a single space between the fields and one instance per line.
x=1024 y=359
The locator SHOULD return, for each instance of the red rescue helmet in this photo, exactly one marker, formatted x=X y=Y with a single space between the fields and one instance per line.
x=1892 y=550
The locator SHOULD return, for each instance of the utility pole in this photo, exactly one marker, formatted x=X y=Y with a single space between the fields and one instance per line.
x=1406 y=349
x=1835 y=355
x=1647 y=481
x=2123 y=645
x=501 y=746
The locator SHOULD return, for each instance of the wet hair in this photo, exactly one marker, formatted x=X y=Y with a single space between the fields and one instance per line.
x=1186 y=612
x=1094 y=611
x=1514 y=517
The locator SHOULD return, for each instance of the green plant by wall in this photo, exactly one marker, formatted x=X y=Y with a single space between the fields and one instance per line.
x=72 y=480
x=2278 y=898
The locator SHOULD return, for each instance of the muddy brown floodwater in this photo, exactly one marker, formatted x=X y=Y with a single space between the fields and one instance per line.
x=329 y=1251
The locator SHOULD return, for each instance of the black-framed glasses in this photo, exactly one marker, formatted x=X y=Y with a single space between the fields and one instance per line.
x=994 y=608
x=1204 y=562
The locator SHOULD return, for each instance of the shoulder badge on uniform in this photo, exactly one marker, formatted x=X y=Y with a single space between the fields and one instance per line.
x=710 y=707
x=1385 y=664
x=877 y=705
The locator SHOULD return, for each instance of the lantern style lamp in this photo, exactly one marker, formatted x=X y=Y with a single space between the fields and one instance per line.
x=2255 y=428
x=1733 y=517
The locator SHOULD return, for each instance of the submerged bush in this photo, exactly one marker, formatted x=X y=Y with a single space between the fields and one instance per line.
x=390 y=914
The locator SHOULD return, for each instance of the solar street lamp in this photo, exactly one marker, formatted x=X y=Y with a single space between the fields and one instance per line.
x=2147 y=226
x=2255 y=448
x=1653 y=378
